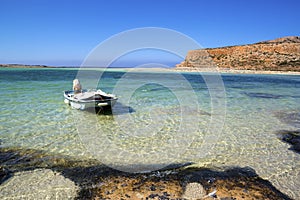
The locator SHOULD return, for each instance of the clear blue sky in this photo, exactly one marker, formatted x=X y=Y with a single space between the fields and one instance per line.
x=63 y=32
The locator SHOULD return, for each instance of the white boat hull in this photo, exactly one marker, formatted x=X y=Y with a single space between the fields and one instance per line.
x=90 y=99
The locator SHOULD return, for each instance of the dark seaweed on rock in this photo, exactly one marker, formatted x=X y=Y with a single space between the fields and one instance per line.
x=291 y=137
x=4 y=174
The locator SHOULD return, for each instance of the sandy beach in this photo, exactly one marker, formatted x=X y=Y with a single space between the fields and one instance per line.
x=233 y=71
x=171 y=69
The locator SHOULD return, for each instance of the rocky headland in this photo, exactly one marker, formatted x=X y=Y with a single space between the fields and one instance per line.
x=282 y=54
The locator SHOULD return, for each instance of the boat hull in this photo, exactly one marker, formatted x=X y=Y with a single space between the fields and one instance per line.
x=87 y=100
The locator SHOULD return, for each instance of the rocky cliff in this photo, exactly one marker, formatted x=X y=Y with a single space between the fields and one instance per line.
x=281 y=54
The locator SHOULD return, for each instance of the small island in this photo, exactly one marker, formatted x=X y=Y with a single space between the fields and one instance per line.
x=24 y=66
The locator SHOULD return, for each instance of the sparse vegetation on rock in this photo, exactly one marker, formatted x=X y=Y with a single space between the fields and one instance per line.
x=281 y=54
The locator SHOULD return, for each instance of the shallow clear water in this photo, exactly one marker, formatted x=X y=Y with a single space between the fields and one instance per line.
x=160 y=118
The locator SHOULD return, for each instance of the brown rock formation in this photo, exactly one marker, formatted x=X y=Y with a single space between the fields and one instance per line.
x=96 y=181
x=281 y=54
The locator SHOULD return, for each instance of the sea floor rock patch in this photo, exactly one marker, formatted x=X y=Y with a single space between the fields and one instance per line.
x=194 y=191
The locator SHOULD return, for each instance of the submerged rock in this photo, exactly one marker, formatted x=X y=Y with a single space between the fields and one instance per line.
x=291 y=137
x=262 y=95
x=290 y=118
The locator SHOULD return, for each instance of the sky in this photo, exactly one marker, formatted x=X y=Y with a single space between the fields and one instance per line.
x=64 y=32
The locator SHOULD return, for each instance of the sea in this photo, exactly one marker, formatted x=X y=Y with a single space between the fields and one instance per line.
x=213 y=120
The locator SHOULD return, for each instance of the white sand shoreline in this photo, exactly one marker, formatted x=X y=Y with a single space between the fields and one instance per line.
x=175 y=69
x=234 y=71
x=202 y=70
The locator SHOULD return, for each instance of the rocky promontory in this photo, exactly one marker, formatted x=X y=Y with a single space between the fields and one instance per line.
x=282 y=54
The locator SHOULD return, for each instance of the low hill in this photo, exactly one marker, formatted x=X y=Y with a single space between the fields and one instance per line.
x=282 y=54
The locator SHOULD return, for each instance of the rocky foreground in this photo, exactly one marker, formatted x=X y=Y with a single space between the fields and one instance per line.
x=281 y=54
x=191 y=183
x=30 y=174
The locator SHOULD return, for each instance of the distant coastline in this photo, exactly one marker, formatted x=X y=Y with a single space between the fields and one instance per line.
x=24 y=66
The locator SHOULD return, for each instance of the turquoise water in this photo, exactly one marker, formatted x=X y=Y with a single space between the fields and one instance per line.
x=159 y=118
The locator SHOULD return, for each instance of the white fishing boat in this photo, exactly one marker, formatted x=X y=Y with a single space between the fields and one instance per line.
x=89 y=99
